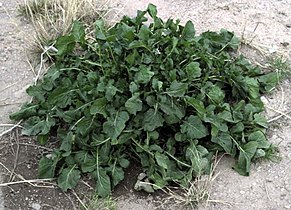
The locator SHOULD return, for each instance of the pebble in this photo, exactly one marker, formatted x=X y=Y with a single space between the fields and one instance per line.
x=269 y=180
x=287 y=207
x=283 y=195
x=285 y=44
x=141 y=176
x=36 y=206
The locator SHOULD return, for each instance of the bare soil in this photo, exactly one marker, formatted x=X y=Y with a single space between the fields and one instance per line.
x=265 y=24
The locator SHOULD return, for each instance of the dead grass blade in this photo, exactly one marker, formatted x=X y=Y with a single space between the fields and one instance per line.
x=45 y=183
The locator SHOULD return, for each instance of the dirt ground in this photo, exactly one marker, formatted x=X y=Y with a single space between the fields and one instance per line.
x=265 y=24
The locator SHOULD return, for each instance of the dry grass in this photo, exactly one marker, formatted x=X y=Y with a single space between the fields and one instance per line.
x=196 y=194
x=53 y=18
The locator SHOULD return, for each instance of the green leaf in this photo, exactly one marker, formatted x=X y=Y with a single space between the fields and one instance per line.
x=225 y=141
x=86 y=161
x=26 y=111
x=42 y=139
x=35 y=125
x=193 y=70
x=144 y=33
x=67 y=143
x=269 y=81
x=152 y=10
x=78 y=31
x=117 y=174
x=69 y=116
x=99 y=107
x=194 y=128
x=110 y=90
x=134 y=104
x=133 y=87
x=188 y=32
x=65 y=44
x=37 y=92
x=152 y=120
x=226 y=116
x=84 y=125
x=260 y=120
x=179 y=137
x=123 y=162
x=100 y=27
x=46 y=168
x=237 y=128
x=253 y=87
x=215 y=94
x=69 y=160
x=144 y=75
x=69 y=178
x=177 y=89
x=131 y=58
x=260 y=138
x=198 y=163
x=126 y=32
x=114 y=126
x=197 y=105
x=123 y=138
x=159 y=181
x=162 y=160
x=61 y=96
x=247 y=152
x=105 y=152
x=174 y=111
x=157 y=85
x=103 y=183
x=216 y=122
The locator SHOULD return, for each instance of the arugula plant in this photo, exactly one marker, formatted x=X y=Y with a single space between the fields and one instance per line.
x=155 y=91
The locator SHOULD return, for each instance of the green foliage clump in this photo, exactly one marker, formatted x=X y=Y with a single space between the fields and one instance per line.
x=155 y=91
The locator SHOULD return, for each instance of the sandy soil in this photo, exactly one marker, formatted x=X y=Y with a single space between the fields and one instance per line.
x=265 y=23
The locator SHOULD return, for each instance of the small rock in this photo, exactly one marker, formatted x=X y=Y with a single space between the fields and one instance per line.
x=48 y=156
x=287 y=207
x=146 y=186
x=285 y=44
x=141 y=176
x=283 y=194
x=288 y=25
x=242 y=192
x=36 y=206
